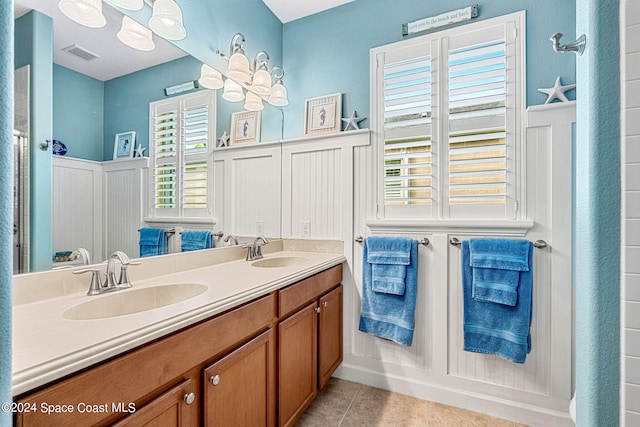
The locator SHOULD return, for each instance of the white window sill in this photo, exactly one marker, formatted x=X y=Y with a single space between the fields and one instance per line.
x=178 y=221
x=468 y=227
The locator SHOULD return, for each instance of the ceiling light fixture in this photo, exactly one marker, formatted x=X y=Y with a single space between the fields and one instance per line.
x=84 y=12
x=239 y=76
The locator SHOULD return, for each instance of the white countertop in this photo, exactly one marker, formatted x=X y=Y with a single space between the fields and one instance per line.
x=46 y=346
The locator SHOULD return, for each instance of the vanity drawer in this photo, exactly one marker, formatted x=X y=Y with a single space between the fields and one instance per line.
x=299 y=294
x=141 y=375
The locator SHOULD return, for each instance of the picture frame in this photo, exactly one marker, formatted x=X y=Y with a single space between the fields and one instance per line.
x=245 y=127
x=323 y=114
x=124 y=144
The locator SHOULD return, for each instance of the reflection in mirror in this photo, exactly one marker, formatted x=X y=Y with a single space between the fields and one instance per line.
x=93 y=100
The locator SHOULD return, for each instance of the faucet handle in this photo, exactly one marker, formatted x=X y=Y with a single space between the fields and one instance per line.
x=96 y=284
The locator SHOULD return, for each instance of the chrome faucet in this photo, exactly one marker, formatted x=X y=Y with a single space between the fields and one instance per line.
x=231 y=237
x=81 y=253
x=110 y=283
x=254 y=251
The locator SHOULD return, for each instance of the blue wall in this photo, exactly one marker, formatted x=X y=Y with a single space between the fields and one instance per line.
x=34 y=46
x=6 y=202
x=329 y=52
x=78 y=102
x=597 y=226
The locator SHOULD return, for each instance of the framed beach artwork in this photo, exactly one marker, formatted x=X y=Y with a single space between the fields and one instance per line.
x=123 y=146
x=245 y=127
x=323 y=114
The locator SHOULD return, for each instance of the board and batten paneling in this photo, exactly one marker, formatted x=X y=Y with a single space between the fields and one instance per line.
x=123 y=204
x=76 y=191
x=248 y=190
x=435 y=367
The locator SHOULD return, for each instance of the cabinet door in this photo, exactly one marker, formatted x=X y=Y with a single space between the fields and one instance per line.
x=239 y=389
x=172 y=408
x=329 y=335
x=297 y=364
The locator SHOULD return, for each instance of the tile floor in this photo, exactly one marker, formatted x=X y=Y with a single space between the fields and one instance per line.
x=347 y=404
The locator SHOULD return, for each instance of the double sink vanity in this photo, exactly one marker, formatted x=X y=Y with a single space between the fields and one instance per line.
x=202 y=338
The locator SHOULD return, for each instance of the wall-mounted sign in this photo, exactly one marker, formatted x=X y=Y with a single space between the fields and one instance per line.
x=441 y=20
x=182 y=87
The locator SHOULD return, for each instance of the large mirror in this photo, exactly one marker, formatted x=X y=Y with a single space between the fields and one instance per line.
x=94 y=98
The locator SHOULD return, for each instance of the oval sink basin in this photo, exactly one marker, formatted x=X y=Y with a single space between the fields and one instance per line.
x=132 y=301
x=278 y=262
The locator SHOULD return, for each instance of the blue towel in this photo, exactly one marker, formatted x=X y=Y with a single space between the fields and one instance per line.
x=195 y=240
x=496 y=267
x=497 y=328
x=390 y=257
x=385 y=315
x=153 y=241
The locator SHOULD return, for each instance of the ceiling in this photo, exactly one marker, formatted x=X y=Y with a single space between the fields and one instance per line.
x=290 y=10
x=117 y=59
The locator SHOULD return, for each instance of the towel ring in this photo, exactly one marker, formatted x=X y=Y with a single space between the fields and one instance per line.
x=540 y=244
x=424 y=241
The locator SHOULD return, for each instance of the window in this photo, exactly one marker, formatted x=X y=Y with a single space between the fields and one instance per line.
x=446 y=109
x=181 y=131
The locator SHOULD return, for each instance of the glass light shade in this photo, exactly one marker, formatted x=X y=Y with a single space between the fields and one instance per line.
x=261 y=82
x=253 y=102
x=278 y=95
x=238 y=68
x=210 y=78
x=84 y=12
x=135 y=35
x=128 y=4
x=166 y=20
x=232 y=91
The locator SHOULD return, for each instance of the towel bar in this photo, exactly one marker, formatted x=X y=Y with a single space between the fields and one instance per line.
x=166 y=230
x=218 y=234
x=424 y=241
x=540 y=244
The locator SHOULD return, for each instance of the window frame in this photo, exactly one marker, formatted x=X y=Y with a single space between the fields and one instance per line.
x=179 y=213
x=436 y=45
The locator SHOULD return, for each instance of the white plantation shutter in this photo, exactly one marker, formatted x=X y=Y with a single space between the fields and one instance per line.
x=182 y=128
x=447 y=109
x=405 y=85
x=481 y=130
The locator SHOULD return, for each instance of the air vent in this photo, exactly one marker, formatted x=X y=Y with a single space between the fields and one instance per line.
x=81 y=52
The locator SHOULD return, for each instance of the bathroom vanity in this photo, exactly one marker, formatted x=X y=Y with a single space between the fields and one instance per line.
x=259 y=344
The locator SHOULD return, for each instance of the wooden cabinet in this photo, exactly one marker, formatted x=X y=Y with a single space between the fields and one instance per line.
x=297 y=363
x=239 y=389
x=228 y=370
x=309 y=341
x=329 y=335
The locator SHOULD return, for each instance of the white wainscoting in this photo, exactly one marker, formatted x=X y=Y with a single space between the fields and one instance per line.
x=76 y=211
x=435 y=367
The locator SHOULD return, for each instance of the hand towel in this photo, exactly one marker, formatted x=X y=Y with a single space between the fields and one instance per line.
x=497 y=328
x=195 y=240
x=496 y=265
x=386 y=315
x=389 y=257
x=152 y=242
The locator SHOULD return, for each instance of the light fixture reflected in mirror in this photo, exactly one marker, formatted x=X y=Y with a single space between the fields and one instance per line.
x=84 y=12
x=136 y=35
x=232 y=91
x=253 y=102
x=166 y=20
x=238 y=67
x=261 y=82
x=210 y=78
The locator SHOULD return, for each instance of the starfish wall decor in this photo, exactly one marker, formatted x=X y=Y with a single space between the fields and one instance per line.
x=557 y=91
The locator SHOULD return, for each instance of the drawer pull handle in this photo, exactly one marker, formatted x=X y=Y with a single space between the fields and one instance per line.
x=215 y=379
x=189 y=398
x=317 y=309
x=325 y=303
